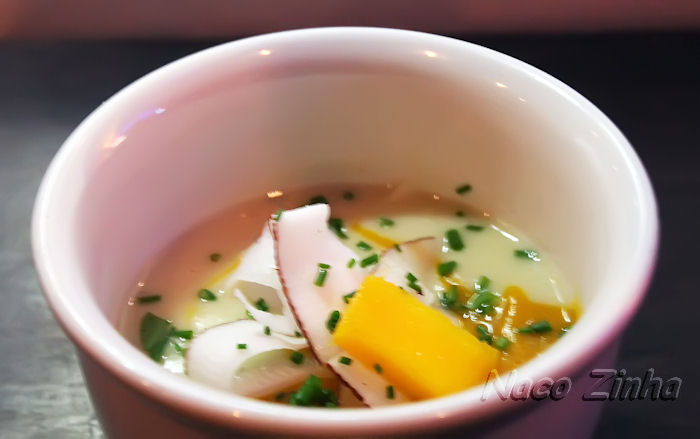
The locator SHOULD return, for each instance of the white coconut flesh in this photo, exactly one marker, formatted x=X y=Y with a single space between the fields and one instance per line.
x=303 y=241
x=218 y=357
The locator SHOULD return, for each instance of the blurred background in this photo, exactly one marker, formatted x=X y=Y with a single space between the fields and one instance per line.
x=637 y=60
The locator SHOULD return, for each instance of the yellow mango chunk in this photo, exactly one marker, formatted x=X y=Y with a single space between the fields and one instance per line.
x=422 y=353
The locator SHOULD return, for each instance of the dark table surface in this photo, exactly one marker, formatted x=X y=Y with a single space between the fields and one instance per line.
x=648 y=84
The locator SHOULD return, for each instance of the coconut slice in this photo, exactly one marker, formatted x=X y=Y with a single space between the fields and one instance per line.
x=303 y=241
x=216 y=357
x=257 y=264
x=255 y=278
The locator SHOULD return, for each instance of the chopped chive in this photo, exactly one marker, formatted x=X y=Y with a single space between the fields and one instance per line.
x=322 y=274
x=450 y=298
x=277 y=215
x=482 y=284
x=345 y=360
x=412 y=282
x=297 y=357
x=318 y=199
x=460 y=213
x=364 y=246
x=297 y=334
x=206 y=295
x=348 y=196
x=184 y=334
x=538 y=328
x=527 y=254
x=390 y=392
x=242 y=346
x=501 y=343
x=148 y=299
x=312 y=393
x=482 y=302
x=446 y=268
x=280 y=396
x=369 y=260
x=347 y=297
x=249 y=315
x=336 y=225
x=178 y=348
x=351 y=263
x=267 y=330
x=483 y=334
x=332 y=322
x=564 y=330
x=474 y=228
x=463 y=189
x=398 y=248
x=378 y=368
x=214 y=257
x=385 y=222
x=454 y=239
x=262 y=305
x=154 y=334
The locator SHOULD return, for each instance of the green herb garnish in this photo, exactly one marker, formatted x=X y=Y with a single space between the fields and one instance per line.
x=351 y=263
x=474 y=228
x=536 y=328
x=148 y=299
x=482 y=302
x=322 y=274
x=412 y=282
x=378 y=368
x=385 y=222
x=206 y=295
x=332 y=322
x=267 y=330
x=347 y=297
x=297 y=334
x=249 y=315
x=398 y=248
x=390 y=392
x=297 y=357
x=215 y=257
x=345 y=360
x=450 y=298
x=348 y=196
x=501 y=343
x=154 y=334
x=446 y=268
x=527 y=254
x=277 y=215
x=242 y=346
x=364 y=246
x=318 y=199
x=463 y=189
x=454 y=240
x=369 y=260
x=262 y=305
x=483 y=334
x=336 y=225
x=482 y=284
x=184 y=334
x=312 y=393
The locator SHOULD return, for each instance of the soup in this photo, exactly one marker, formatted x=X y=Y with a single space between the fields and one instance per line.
x=350 y=296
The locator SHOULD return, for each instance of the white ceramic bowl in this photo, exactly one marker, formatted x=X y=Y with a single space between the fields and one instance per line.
x=315 y=106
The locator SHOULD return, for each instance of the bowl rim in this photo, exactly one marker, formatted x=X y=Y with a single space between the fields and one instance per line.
x=236 y=412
